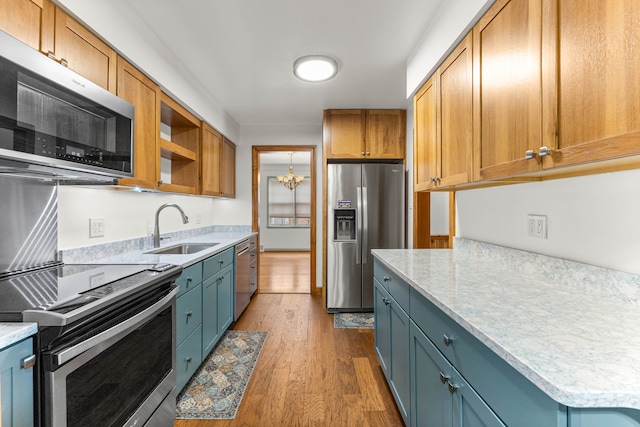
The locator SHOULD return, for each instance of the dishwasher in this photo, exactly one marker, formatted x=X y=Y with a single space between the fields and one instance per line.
x=243 y=277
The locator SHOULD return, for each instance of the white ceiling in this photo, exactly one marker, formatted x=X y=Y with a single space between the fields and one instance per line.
x=242 y=51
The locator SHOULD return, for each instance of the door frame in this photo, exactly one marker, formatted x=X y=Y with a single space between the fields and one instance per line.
x=255 y=189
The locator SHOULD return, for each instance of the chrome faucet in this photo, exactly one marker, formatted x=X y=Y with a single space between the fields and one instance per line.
x=156 y=229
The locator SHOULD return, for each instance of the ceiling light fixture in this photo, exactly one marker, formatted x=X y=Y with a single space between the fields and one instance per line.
x=290 y=180
x=315 y=68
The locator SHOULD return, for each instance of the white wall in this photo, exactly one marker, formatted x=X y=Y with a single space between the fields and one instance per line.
x=127 y=214
x=592 y=219
x=295 y=239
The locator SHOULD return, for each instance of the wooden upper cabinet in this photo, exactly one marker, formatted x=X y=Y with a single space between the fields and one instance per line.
x=228 y=170
x=81 y=51
x=425 y=136
x=385 y=136
x=364 y=134
x=508 y=89
x=598 y=80
x=144 y=94
x=218 y=164
x=455 y=116
x=24 y=19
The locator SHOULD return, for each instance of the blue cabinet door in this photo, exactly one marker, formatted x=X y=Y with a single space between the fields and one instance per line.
x=16 y=385
x=225 y=300
x=431 y=404
x=469 y=410
x=210 y=330
x=399 y=372
x=382 y=326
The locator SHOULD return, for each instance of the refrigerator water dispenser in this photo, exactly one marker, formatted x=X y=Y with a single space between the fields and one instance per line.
x=344 y=225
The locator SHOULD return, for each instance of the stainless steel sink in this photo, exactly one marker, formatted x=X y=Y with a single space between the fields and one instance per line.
x=182 y=249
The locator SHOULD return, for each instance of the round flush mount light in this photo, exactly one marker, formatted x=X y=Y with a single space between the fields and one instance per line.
x=315 y=68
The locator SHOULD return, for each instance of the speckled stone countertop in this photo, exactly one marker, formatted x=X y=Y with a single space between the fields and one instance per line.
x=11 y=333
x=572 y=329
x=224 y=241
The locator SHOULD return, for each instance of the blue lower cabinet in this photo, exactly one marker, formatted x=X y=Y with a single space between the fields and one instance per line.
x=188 y=358
x=217 y=308
x=392 y=346
x=16 y=385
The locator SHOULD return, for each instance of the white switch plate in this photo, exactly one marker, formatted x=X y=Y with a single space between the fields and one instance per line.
x=537 y=226
x=96 y=227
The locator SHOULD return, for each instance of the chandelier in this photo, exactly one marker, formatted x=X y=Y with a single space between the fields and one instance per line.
x=290 y=180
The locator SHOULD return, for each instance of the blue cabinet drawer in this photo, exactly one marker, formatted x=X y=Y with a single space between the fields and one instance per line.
x=398 y=288
x=514 y=398
x=216 y=263
x=188 y=313
x=188 y=358
x=190 y=278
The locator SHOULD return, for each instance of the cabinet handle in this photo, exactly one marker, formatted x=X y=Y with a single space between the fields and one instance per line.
x=367 y=153
x=188 y=359
x=452 y=387
x=221 y=262
x=189 y=313
x=447 y=340
x=385 y=301
x=189 y=279
x=28 y=362
x=444 y=378
x=362 y=153
x=60 y=61
x=544 y=151
x=386 y=279
x=529 y=154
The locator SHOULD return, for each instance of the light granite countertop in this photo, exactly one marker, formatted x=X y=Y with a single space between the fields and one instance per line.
x=11 y=333
x=224 y=241
x=572 y=329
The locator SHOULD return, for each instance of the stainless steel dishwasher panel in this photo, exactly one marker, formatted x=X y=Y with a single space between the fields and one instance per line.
x=243 y=277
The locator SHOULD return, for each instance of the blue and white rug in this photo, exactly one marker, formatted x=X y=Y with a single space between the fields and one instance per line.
x=353 y=320
x=216 y=389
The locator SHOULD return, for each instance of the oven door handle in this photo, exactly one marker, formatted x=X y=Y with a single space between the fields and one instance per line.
x=121 y=329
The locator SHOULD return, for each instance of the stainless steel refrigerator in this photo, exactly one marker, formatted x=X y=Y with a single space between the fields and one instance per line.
x=365 y=210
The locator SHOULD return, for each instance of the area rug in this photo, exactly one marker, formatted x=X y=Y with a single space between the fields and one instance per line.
x=353 y=320
x=215 y=390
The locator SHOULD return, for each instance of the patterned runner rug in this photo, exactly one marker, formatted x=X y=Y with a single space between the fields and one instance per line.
x=215 y=390
x=353 y=320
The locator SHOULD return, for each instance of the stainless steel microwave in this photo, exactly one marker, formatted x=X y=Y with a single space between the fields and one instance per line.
x=54 y=121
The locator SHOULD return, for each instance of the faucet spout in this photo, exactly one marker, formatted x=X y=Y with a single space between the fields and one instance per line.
x=156 y=228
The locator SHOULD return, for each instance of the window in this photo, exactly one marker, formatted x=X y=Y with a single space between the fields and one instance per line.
x=288 y=208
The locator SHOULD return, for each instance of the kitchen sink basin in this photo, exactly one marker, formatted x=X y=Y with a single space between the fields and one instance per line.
x=182 y=249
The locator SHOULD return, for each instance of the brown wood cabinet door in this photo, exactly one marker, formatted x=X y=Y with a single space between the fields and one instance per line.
x=385 y=136
x=228 y=168
x=23 y=19
x=507 y=88
x=425 y=136
x=144 y=94
x=598 y=81
x=211 y=161
x=343 y=134
x=455 y=116
x=83 y=52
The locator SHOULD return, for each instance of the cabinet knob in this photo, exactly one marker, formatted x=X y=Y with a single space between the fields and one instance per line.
x=544 y=151
x=189 y=313
x=221 y=262
x=362 y=153
x=386 y=279
x=189 y=279
x=188 y=359
x=385 y=301
x=452 y=387
x=447 y=340
x=28 y=362
x=367 y=153
x=529 y=154
x=444 y=378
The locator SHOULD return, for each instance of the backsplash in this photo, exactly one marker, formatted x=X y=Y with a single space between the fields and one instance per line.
x=95 y=252
x=591 y=279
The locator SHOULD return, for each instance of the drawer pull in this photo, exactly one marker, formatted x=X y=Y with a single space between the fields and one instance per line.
x=189 y=279
x=529 y=154
x=188 y=359
x=544 y=151
x=386 y=279
x=385 y=301
x=189 y=313
x=447 y=340
x=444 y=378
x=28 y=362
x=221 y=262
x=452 y=387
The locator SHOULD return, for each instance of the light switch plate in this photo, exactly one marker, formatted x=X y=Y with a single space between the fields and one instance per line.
x=96 y=227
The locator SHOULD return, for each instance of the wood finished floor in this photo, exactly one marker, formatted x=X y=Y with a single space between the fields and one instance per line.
x=285 y=272
x=309 y=374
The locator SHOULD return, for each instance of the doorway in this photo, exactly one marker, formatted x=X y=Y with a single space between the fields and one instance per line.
x=287 y=264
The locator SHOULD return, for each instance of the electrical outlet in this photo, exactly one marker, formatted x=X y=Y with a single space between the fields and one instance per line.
x=96 y=227
x=537 y=226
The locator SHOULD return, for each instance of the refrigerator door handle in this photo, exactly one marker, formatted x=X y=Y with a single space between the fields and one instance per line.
x=358 y=225
x=365 y=226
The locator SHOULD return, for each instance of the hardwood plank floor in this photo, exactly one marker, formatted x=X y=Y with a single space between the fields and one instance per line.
x=309 y=374
x=285 y=272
